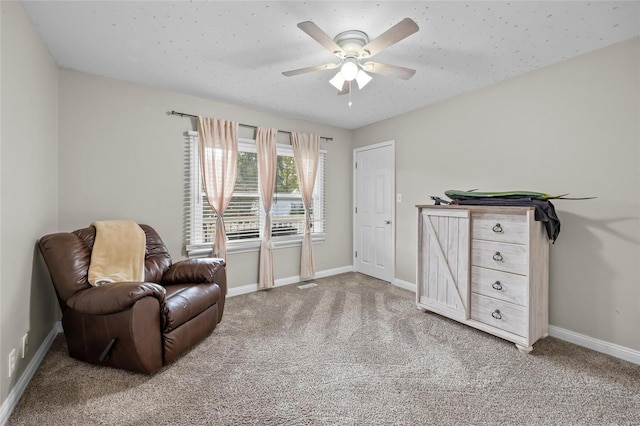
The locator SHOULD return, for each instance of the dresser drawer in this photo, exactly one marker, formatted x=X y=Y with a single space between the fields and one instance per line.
x=496 y=313
x=501 y=256
x=500 y=285
x=508 y=228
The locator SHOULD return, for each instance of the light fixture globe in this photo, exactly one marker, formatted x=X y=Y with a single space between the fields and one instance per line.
x=349 y=69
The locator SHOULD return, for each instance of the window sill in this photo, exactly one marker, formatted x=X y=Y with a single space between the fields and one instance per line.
x=253 y=245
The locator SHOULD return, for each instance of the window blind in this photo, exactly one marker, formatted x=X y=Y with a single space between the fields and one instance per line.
x=244 y=218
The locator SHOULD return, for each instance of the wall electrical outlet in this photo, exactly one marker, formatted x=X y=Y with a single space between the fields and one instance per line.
x=12 y=362
x=25 y=341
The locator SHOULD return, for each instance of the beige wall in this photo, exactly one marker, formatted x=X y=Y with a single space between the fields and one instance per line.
x=571 y=127
x=29 y=192
x=122 y=156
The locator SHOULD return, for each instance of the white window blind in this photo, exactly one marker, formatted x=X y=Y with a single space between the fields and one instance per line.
x=244 y=218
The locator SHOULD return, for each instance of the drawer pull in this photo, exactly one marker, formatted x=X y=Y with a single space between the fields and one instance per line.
x=497 y=285
x=498 y=257
x=496 y=314
x=497 y=228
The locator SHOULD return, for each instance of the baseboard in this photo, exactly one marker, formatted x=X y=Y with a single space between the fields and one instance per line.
x=597 y=345
x=16 y=392
x=404 y=284
x=252 y=288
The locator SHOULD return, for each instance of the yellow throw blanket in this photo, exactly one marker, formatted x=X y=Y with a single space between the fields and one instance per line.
x=118 y=252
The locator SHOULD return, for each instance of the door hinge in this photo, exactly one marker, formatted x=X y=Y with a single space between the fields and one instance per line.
x=356 y=254
x=356 y=210
x=356 y=164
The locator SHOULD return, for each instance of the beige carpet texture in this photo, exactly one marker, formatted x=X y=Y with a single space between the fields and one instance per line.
x=351 y=351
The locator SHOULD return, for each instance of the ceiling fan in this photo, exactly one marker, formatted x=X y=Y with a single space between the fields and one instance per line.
x=353 y=50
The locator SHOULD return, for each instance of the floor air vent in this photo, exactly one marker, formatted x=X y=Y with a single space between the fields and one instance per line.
x=309 y=285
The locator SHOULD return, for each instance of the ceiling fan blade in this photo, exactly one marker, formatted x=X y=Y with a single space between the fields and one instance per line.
x=346 y=88
x=399 y=31
x=389 y=70
x=321 y=37
x=309 y=69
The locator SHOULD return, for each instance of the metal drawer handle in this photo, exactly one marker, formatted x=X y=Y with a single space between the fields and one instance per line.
x=496 y=314
x=498 y=257
x=497 y=285
x=497 y=228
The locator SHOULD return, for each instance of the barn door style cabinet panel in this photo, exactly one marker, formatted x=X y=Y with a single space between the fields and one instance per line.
x=486 y=267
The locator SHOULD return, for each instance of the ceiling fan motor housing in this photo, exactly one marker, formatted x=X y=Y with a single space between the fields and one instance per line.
x=352 y=42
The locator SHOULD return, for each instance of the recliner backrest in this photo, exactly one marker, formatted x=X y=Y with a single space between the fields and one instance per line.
x=68 y=255
x=157 y=259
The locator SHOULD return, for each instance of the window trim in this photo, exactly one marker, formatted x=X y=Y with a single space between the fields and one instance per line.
x=194 y=207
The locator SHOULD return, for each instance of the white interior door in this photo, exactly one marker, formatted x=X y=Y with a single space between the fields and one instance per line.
x=374 y=186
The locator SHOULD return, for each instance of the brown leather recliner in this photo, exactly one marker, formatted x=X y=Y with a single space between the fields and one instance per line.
x=138 y=326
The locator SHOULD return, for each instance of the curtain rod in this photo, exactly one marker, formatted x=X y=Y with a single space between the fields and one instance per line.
x=182 y=114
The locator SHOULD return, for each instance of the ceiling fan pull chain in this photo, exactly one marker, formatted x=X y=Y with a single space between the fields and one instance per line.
x=349 y=103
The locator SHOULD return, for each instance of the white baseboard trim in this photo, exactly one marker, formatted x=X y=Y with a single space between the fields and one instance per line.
x=16 y=392
x=404 y=284
x=252 y=288
x=588 y=342
x=597 y=345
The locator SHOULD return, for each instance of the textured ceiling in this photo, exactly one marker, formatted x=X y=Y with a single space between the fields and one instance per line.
x=236 y=51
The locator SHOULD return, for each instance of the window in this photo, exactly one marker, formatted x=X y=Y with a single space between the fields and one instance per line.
x=244 y=218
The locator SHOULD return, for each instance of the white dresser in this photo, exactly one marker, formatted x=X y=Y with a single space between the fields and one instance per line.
x=486 y=267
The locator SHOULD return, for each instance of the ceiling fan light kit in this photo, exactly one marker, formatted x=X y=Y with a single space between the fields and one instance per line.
x=352 y=48
x=349 y=69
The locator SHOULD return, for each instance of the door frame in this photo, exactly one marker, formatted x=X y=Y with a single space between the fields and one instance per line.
x=392 y=201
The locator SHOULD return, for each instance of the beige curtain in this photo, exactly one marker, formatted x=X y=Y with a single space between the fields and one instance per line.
x=305 y=154
x=218 y=143
x=267 y=164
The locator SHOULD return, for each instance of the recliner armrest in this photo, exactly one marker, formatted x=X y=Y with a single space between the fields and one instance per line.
x=115 y=297
x=195 y=271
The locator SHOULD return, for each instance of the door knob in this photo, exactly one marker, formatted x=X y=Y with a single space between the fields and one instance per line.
x=387 y=221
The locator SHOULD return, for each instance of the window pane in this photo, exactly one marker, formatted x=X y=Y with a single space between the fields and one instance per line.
x=287 y=214
x=286 y=178
x=247 y=173
x=242 y=217
x=287 y=210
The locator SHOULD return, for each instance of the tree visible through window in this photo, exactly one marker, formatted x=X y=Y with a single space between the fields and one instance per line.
x=286 y=178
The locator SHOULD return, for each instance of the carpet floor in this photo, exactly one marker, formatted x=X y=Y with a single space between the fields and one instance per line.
x=352 y=351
